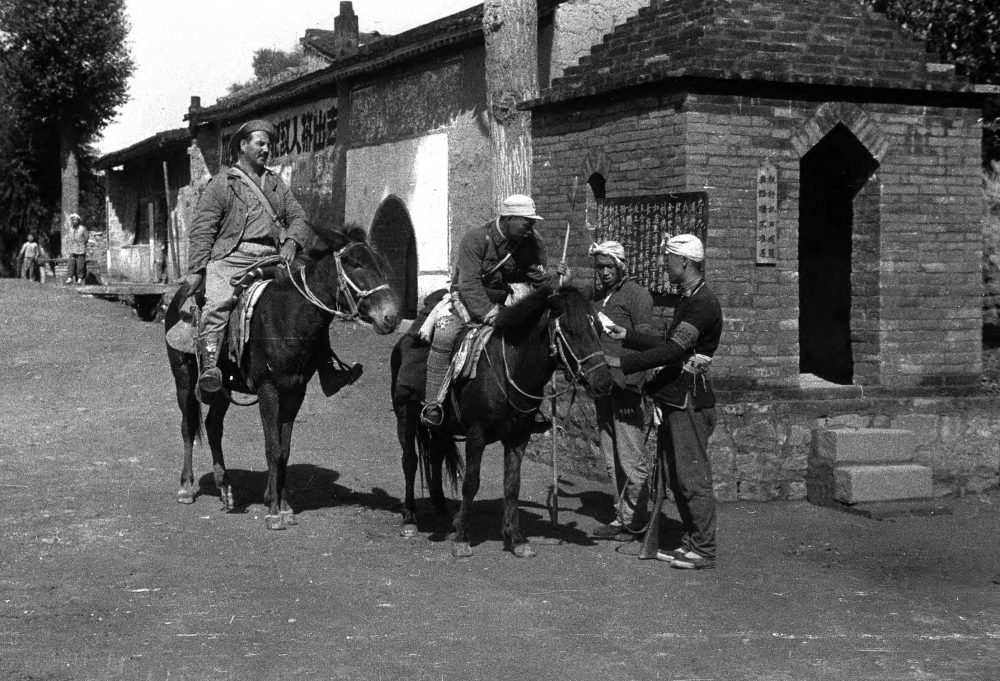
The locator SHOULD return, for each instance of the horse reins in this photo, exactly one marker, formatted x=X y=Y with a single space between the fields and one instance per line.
x=558 y=347
x=354 y=294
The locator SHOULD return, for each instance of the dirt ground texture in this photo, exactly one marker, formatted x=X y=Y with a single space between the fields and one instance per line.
x=104 y=576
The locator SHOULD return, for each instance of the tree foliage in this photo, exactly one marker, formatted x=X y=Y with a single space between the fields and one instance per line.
x=64 y=69
x=965 y=33
x=268 y=64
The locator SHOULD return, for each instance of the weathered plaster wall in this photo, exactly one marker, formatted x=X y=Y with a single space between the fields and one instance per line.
x=305 y=154
x=400 y=124
x=416 y=172
x=581 y=24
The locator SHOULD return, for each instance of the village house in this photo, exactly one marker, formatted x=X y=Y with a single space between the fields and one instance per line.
x=147 y=234
x=832 y=167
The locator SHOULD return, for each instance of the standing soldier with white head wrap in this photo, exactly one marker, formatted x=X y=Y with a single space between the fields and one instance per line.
x=685 y=401
x=621 y=301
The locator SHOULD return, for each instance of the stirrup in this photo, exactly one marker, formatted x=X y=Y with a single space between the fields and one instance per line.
x=210 y=380
x=432 y=415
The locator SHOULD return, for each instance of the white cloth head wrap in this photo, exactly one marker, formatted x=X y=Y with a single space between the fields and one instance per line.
x=686 y=245
x=612 y=248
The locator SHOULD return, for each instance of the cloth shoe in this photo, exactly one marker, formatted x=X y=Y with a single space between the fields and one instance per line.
x=692 y=561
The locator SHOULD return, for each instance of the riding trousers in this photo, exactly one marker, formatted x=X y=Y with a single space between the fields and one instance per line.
x=446 y=331
x=219 y=292
x=620 y=422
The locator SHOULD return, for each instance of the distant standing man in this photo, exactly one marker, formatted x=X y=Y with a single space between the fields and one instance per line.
x=76 y=268
x=621 y=301
x=245 y=213
x=29 y=257
x=684 y=400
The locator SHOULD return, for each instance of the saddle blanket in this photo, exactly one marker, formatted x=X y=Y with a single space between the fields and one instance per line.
x=239 y=320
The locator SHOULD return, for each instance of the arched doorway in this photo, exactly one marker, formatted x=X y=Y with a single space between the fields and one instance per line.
x=392 y=236
x=832 y=174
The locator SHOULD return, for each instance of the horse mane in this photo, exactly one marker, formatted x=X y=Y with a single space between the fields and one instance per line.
x=523 y=314
x=331 y=239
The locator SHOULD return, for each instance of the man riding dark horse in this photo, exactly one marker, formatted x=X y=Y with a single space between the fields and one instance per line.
x=494 y=260
x=245 y=214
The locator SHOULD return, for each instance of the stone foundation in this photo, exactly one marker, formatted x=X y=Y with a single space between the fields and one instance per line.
x=761 y=446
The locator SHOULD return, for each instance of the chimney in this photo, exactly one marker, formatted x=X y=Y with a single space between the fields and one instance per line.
x=345 y=30
x=195 y=103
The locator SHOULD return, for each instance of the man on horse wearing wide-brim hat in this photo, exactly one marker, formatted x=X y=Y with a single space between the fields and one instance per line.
x=495 y=262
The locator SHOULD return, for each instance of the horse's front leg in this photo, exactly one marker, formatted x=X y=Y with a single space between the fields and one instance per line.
x=475 y=443
x=269 y=407
x=190 y=424
x=277 y=416
x=406 y=431
x=514 y=540
x=213 y=430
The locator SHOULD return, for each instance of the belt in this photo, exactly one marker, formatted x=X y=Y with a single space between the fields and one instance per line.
x=262 y=241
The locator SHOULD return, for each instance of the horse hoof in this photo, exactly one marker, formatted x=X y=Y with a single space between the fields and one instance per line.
x=289 y=517
x=461 y=549
x=276 y=522
x=524 y=550
x=409 y=530
x=185 y=496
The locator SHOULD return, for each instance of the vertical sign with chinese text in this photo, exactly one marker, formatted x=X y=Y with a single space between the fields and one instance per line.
x=767 y=215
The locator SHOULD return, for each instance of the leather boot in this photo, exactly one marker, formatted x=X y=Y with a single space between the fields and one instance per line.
x=333 y=377
x=210 y=380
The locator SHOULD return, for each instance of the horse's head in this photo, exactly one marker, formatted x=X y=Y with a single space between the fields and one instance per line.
x=362 y=286
x=575 y=339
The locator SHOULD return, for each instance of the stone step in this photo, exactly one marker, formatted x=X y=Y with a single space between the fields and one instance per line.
x=854 y=484
x=865 y=445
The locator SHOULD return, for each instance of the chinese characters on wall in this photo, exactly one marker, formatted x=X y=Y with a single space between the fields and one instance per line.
x=301 y=130
x=644 y=223
x=767 y=215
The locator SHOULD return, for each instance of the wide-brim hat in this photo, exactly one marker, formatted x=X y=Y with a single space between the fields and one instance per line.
x=519 y=205
x=245 y=130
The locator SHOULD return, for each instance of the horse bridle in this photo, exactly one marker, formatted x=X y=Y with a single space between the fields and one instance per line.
x=559 y=347
x=354 y=294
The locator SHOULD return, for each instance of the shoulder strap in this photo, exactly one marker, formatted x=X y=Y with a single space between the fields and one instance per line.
x=255 y=188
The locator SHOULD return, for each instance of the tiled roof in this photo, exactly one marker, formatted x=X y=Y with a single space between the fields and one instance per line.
x=168 y=139
x=324 y=41
x=822 y=42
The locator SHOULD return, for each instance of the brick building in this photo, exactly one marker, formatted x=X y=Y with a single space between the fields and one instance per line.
x=867 y=268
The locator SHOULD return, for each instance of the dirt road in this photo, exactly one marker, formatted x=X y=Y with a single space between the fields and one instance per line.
x=104 y=576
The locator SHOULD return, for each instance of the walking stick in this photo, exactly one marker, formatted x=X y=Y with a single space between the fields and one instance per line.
x=552 y=499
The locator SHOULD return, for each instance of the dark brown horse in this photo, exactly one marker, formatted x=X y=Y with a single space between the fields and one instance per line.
x=289 y=337
x=543 y=331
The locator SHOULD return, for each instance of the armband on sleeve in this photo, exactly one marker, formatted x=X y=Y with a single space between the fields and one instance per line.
x=685 y=335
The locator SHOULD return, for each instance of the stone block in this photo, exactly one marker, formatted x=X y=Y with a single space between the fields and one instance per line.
x=858 y=484
x=865 y=445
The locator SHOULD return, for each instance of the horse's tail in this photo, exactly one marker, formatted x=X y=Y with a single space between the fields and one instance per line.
x=443 y=445
x=453 y=465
